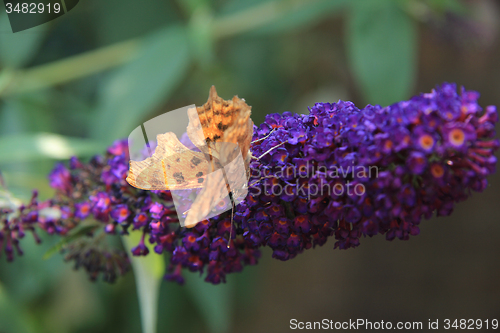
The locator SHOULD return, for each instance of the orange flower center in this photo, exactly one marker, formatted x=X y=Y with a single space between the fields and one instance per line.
x=123 y=212
x=426 y=141
x=457 y=137
x=437 y=171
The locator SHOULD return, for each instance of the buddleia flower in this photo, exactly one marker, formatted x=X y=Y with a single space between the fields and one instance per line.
x=337 y=172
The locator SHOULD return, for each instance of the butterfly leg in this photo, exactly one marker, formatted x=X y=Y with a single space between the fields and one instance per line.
x=232 y=219
x=258 y=181
x=230 y=193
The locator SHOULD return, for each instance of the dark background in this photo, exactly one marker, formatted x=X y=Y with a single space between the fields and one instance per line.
x=92 y=75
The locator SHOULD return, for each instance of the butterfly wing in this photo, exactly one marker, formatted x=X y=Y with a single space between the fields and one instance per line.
x=213 y=192
x=195 y=131
x=220 y=121
x=171 y=167
x=231 y=178
x=224 y=130
x=239 y=132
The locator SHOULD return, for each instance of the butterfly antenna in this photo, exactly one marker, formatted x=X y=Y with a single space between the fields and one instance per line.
x=267 y=152
x=258 y=140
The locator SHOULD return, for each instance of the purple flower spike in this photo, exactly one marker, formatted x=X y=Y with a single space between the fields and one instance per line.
x=338 y=172
x=378 y=170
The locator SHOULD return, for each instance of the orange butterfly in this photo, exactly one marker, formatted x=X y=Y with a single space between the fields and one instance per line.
x=222 y=131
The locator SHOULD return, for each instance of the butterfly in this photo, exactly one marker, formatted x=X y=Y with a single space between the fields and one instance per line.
x=222 y=131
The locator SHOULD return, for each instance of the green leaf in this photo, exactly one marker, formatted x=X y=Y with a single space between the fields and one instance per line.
x=272 y=17
x=17 y=49
x=34 y=146
x=442 y=6
x=13 y=317
x=191 y=6
x=141 y=85
x=118 y=19
x=148 y=272
x=32 y=112
x=213 y=301
x=381 y=41
x=300 y=14
x=12 y=117
x=200 y=36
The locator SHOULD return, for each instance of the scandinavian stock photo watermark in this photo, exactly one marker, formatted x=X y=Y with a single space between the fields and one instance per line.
x=332 y=181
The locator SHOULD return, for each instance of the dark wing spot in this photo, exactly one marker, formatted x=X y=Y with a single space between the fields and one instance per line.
x=199 y=174
x=179 y=177
x=195 y=160
x=222 y=127
x=200 y=180
x=178 y=159
x=168 y=166
x=216 y=137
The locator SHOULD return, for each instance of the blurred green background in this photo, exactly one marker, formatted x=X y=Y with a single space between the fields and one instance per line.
x=73 y=85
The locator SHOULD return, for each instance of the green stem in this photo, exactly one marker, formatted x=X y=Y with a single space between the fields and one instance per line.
x=148 y=272
x=71 y=68
x=247 y=20
x=256 y=17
